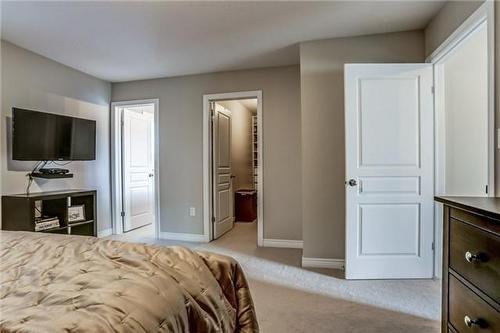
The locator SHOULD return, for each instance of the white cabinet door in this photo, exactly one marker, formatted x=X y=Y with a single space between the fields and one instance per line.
x=222 y=183
x=389 y=171
x=138 y=169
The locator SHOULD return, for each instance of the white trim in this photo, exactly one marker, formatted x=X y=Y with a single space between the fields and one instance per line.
x=116 y=184
x=105 y=233
x=207 y=196
x=177 y=236
x=286 y=243
x=485 y=13
x=323 y=263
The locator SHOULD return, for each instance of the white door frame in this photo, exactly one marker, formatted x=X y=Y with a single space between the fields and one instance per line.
x=116 y=163
x=207 y=160
x=484 y=14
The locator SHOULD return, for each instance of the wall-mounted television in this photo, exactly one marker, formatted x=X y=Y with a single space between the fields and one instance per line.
x=41 y=136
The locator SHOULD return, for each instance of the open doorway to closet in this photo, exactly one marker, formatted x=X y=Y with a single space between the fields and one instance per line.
x=464 y=114
x=233 y=197
x=134 y=171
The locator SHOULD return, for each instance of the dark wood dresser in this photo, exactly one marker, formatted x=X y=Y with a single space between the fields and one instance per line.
x=471 y=264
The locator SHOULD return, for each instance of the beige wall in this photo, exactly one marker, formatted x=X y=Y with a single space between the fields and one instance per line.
x=241 y=144
x=322 y=123
x=181 y=144
x=34 y=82
x=448 y=19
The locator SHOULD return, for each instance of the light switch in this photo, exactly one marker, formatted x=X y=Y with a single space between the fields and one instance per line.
x=192 y=211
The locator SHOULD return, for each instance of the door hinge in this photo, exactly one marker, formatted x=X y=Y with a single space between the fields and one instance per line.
x=122 y=214
x=486 y=189
x=433 y=90
x=433 y=247
x=213 y=219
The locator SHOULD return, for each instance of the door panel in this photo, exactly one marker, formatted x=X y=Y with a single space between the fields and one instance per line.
x=389 y=160
x=379 y=223
x=388 y=109
x=138 y=168
x=222 y=183
x=389 y=185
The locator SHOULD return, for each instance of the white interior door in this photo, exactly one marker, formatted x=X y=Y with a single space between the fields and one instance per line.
x=138 y=168
x=389 y=171
x=223 y=202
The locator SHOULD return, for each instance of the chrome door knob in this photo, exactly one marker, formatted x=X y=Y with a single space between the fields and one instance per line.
x=351 y=182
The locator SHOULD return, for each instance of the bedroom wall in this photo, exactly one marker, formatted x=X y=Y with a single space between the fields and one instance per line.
x=322 y=126
x=241 y=144
x=35 y=82
x=181 y=144
x=450 y=17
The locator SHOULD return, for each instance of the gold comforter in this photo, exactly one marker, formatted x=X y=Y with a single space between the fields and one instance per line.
x=58 y=283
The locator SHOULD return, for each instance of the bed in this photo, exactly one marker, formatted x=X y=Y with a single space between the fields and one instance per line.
x=59 y=283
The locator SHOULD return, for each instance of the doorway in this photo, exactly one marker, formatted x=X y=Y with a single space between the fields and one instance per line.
x=135 y=168
x=232 y=162
x=464 y=114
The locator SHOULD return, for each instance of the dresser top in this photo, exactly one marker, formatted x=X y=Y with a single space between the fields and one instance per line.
x=49 y=193
x=486 y=206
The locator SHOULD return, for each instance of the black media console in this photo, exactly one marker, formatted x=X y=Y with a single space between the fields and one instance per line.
x=19 y=211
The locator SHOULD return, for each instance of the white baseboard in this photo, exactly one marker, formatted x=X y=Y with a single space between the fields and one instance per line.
x=293 y=244
x=323 y=263
x=105 y=232
x=183 y=237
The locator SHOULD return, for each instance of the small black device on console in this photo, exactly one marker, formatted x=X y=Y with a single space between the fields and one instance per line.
x=53 y=171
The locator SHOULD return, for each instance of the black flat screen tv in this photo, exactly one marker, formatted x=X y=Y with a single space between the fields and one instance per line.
x=41 y=136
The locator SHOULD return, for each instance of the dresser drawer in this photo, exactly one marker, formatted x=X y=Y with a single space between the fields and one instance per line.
x=479 y=221
x=475 y=254
x=467 y=312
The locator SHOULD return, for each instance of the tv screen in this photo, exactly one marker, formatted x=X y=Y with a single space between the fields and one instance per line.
x=40 y=136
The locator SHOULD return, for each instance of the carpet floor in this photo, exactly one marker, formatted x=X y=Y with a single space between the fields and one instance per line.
x=289 y=298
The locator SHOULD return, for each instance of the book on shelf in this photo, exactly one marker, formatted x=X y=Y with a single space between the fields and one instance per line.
x=46 y=223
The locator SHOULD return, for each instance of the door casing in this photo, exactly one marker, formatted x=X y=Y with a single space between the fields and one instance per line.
x=116 y=163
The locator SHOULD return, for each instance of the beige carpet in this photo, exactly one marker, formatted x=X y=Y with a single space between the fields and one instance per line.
x=289 y=298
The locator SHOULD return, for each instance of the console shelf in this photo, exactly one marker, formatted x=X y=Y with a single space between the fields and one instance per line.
x=51 y=176
x=18 y=211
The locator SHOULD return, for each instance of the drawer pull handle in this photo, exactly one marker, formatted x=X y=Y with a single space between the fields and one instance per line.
x=469 y=322
x=470 y=257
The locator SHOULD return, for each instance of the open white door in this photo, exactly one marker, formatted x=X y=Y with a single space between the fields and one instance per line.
x=389 y=171
x=138 y=168
x=223 y=217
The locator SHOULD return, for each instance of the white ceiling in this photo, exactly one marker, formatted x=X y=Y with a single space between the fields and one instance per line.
x=122 y=41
